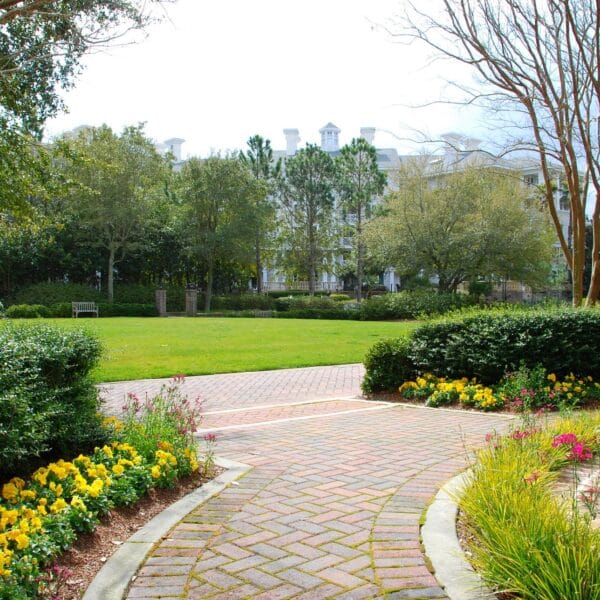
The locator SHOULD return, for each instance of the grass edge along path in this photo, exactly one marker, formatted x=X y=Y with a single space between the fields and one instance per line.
x=148 y=348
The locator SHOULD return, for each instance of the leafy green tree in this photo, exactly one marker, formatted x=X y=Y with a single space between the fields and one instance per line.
x=307 y=201
x=461 y=226
x=359 y=181
x=259 y=158
x=120 y=181
x=219 y=195
x=41 y=46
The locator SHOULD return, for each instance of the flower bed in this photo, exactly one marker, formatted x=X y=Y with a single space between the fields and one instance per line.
x=524 y=538
x=153 y=447
x=523 y=390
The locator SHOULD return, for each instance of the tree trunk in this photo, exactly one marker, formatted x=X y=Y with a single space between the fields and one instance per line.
x=110 y=275
x=259 y=282
x=360 y=259
x=312 y=259
x=594 y=290
x=359 y=271
x=209 y=286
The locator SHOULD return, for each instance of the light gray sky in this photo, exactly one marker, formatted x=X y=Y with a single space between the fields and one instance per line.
x=217 y=72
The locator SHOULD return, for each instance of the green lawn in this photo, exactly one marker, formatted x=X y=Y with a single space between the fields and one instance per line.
x=138 y=348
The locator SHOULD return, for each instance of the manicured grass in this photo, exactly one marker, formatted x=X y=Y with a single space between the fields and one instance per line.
x=140 y=348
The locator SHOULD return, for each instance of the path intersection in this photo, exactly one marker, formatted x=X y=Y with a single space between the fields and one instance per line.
x=331 y=504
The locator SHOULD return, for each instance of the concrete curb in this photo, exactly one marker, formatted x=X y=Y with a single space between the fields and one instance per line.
x=113 y=579
x=451 y=568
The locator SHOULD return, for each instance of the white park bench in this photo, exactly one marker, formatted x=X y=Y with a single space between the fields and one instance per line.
x=84 y=307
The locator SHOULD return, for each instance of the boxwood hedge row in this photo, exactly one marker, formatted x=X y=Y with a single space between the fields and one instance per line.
x=487 y=346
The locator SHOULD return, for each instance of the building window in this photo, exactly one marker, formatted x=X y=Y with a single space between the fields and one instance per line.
x=531 y=179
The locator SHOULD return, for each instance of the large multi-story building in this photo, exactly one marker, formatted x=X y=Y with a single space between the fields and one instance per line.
x=457 y=152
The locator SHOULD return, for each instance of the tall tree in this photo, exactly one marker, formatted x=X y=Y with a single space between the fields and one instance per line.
x=259 y=158
x=119 y=181
x=218 y=196
x=541 y=60
x=41 y=46
x=307 y=207
x=461 y=226
x=359 y=181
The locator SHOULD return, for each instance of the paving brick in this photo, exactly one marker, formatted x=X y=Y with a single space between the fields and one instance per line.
x=326 y=500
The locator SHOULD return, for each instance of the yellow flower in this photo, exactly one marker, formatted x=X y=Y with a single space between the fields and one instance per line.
x=77 y=502
x=155 y=471
x=551 y=377
x=96 y=487
x=118 y=469
x=10 y=492
x=28 y=495
x=58 y=505
x=22 y=541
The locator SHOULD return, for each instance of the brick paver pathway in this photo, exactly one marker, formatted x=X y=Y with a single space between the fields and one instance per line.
x=331 y=507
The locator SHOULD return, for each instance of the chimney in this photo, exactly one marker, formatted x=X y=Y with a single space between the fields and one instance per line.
x=368 y=134
x=330 y=137
x=292 y=137
x=173 y=145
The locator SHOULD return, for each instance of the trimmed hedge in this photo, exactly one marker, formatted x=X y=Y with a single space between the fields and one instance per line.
x=48 y=403
x=412 y=305
x=490 y=345
x=28 y=311
x=337 y=314
x=388 y=362
x=64 y=310
x=242 y=302
x=487 y=346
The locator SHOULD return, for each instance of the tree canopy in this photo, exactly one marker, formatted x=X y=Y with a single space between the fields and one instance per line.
x=218 y=196
x=359 y=182
x=461 y=226
x=307 y=230
x=41 y=46
x=118 y=182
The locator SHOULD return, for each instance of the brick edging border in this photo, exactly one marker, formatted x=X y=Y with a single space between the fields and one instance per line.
x=113 y=579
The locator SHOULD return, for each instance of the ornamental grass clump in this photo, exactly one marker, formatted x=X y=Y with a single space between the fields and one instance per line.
x=525 y=538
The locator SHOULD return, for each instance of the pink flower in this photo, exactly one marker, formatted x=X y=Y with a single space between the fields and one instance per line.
x=565 y=439
x=580 y=452
x=210 y=438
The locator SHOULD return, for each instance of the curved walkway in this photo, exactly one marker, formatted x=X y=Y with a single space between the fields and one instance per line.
x=331 y=507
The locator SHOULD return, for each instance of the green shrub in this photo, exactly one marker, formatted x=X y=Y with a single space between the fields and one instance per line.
x=303 y=302
x=336 y=313
x=489 y=345
x=27 y=311
x=340 y=297
x=388 y=364
x=61 y=310
x=127 y=310
x=243 y=302
x=412 y=305
x=48 y=404
x=286 y=293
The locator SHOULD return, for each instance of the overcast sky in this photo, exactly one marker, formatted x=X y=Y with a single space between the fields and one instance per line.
x=217 y=72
